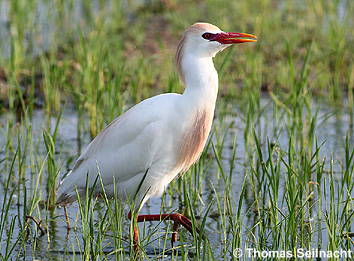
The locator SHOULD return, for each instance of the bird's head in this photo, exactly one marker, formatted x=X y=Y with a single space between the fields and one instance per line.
x=206 y=40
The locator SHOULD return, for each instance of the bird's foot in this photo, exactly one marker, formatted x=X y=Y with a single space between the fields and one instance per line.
x=38 y=224
x=180 y=219
x=177 y=218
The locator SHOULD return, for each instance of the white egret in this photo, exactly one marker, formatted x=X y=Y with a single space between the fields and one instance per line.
x=145 y=148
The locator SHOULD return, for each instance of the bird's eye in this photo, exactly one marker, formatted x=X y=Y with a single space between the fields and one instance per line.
x=207 y=36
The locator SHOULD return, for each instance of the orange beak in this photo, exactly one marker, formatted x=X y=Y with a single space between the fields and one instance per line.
x=234 y=38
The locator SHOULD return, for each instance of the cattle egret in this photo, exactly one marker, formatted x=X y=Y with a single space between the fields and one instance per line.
x=145 y=148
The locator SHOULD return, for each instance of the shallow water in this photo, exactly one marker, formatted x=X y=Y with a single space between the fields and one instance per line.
x=45 y=32
x=330 y=130
x=46 y=27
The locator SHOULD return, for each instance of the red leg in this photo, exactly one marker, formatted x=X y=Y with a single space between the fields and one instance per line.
x=135 y=235
x=174 y=233
x=136 y=239
x=178 y=219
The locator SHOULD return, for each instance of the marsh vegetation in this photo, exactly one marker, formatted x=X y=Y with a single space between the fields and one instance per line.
x=278 y=169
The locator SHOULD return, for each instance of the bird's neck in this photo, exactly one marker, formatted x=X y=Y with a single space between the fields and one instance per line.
x=201 y=81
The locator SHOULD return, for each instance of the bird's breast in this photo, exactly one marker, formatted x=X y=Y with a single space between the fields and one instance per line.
x=194 y=138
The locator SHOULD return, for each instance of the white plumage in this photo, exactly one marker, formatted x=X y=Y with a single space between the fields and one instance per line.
x=164 y=134
x=144 y=137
